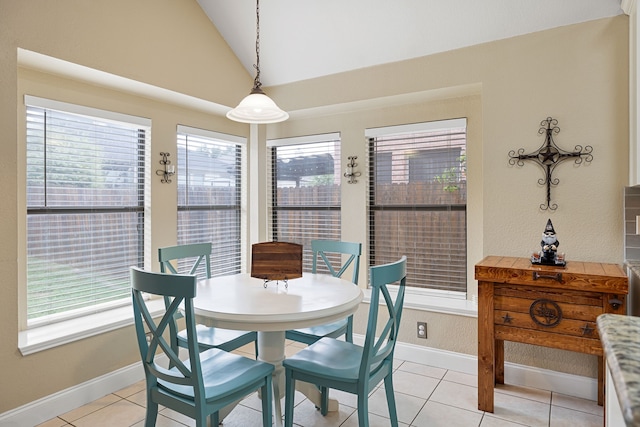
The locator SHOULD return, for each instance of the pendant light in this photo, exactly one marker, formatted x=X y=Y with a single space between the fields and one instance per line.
x=257 y=107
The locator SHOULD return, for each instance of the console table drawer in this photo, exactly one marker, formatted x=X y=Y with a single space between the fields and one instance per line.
x=565 y=326
x=550 y=310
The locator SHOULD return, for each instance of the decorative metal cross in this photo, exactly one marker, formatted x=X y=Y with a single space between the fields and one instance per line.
x=548 y=156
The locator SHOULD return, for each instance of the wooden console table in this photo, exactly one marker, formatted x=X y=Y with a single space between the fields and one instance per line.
x=542 y=305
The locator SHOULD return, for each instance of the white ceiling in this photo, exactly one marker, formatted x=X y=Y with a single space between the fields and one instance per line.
x=303 y=39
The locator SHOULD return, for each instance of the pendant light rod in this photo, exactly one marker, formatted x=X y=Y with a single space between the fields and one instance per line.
x=257 y=85
x=257 y=107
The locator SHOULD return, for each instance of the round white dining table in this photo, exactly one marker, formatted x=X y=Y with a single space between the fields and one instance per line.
x=242 y=302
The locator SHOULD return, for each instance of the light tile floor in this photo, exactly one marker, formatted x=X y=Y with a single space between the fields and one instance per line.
x=425 y=396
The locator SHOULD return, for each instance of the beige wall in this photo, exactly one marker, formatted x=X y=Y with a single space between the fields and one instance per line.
x=169 y=44
x=576 y=74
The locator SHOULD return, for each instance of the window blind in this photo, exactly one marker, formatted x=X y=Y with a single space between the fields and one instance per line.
x=305 y=191
x=417 y=202
x=209 y=196
x=85 y=216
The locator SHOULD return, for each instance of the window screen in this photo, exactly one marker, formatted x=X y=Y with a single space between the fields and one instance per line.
x=85 y=216
x=417 y=201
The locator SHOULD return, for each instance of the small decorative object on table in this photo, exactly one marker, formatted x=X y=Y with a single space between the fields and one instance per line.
x=548 y=255
x=276 y=261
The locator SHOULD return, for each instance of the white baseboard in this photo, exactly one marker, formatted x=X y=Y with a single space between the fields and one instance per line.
x=48 y=407
x=544 y=379
x=51 y=406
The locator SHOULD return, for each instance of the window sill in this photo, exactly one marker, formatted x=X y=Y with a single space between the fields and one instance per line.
x=56 y=334
x=435 y=303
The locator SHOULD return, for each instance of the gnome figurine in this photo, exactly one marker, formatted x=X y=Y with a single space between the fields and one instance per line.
x=549 y=255
x=549 y=244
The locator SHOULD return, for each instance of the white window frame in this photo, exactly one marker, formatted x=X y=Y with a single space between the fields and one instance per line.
x=51 y=335
x=432 y=300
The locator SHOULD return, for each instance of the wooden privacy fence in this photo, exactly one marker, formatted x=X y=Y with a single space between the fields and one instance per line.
x=418 y=219
x=434 y=240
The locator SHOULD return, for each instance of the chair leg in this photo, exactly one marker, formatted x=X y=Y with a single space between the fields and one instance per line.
x=289 y=398
x=267 y=402
x=201 y=418
x=214 y=419
x=349 y=333
x=152 y=413
x=391 y=400
x=324 y=401
x=363 y=409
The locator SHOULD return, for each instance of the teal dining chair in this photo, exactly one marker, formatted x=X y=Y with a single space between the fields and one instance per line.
x=205 y=382
x=341 y=365
x=194 y=259
x=325 y=249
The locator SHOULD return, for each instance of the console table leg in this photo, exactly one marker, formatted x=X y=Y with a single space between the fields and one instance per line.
x=499 y=361
x=601 y=368
x=486 y=347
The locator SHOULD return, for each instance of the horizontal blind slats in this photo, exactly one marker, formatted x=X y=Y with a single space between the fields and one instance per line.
x=209 y=198
x=417 y=200
x=78 y=261
x=305 y=192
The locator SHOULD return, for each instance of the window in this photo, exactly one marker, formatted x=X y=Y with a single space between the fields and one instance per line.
x=85 y=208
x=209 y=195
x=305 y=190
x=417 y=201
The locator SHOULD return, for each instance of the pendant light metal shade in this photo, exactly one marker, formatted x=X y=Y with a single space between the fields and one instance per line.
x=257 y=107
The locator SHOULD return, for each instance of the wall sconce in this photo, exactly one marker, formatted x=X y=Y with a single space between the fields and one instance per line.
x=350 y=172
x=169 y=169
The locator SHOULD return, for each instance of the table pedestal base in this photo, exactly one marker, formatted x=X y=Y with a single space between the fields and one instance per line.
x=313 y=394
x=271 y=350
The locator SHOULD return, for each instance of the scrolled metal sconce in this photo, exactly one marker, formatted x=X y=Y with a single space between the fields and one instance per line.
x=168 y=171
x=350 y=173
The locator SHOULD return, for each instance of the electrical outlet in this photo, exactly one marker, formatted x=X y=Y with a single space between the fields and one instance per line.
x=421 y=330
x=148 y=335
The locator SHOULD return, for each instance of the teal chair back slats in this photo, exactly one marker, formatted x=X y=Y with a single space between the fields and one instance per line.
x=195 y=259
x=199 y=252
x=203 y=383
x=326 y=250
x=380 y=345
x=342 y=365
x=181 y=287
x=323 y=247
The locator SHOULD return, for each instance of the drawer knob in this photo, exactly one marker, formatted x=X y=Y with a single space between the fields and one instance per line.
x=615 y=303
x=557 y=277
